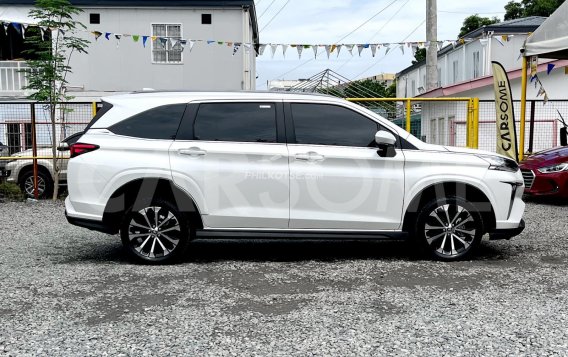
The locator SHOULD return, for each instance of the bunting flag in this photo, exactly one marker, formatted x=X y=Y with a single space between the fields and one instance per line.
x=236 y=47
x=260 y=48
x=533 y=66
x=373 y=50
x=500 y=40
x=549 y=68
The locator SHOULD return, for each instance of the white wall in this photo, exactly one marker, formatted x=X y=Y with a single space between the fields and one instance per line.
x=128 y=66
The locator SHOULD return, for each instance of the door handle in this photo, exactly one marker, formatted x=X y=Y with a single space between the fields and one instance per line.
x=193 y=151
x=309 y=157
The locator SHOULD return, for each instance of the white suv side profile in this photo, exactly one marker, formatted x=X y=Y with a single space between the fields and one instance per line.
x=163 y=168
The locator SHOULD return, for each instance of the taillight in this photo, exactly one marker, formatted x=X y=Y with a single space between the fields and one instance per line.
x=79 y=149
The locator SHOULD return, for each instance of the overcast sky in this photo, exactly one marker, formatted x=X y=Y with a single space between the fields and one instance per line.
x=328 y=21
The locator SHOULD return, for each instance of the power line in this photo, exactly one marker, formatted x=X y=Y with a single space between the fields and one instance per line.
x=344 y=37
x=382 y=58
x=367 y=21
x=376 y=33
x=473 y=12
x=265 y=10
x=273 y=17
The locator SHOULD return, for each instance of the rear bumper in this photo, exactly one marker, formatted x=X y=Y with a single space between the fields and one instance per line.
x=507 y=233
x=90 y=224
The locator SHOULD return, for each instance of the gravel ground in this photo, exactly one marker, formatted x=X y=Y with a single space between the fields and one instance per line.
x=69 y=291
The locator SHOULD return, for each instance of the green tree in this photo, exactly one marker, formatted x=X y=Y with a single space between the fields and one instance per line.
x=420 y=55
x=525 y=8
x=474 y=22
x=48 y=70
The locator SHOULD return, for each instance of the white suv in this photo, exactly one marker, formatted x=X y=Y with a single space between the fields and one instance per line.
x=163 y=168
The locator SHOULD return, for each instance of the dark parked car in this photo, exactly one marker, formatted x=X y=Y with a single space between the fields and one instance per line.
x=546 y=173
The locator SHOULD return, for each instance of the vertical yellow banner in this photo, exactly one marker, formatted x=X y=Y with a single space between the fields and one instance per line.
x=506 y=134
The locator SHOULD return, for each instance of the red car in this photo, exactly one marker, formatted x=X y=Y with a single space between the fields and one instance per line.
x=546 y=173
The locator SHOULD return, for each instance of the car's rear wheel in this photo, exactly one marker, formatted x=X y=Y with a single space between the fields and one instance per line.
x=44 y=184
x=449 y=228
x=155 y=233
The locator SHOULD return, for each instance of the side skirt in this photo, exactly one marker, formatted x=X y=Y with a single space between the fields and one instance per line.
x=299 y=234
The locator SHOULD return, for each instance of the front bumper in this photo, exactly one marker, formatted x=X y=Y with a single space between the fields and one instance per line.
x=553 y=184
x=507 y=233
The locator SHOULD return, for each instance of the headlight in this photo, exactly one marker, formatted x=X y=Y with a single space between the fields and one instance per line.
x=554 y=168
x=500 y=163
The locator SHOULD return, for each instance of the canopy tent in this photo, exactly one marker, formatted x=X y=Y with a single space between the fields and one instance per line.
x=18 y=14
x=550 y=40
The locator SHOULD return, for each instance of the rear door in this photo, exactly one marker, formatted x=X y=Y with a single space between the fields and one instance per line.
x=337 y=179
x=232 y=157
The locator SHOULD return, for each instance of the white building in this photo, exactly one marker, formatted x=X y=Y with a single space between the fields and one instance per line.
x=465 y=70
x=124 y=65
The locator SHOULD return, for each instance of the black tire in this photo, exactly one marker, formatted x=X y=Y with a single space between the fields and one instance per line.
x=45 y=184
x=155 y=243
x=453 y=239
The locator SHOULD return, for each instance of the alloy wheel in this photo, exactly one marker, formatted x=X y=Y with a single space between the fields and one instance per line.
x=450 y=230
x=29 y=186
x=154 y=232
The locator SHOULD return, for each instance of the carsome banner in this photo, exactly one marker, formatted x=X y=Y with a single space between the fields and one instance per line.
x=506 y=134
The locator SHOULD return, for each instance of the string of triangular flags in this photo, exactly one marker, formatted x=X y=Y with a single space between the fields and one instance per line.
x=533 y=61
x=180 y=44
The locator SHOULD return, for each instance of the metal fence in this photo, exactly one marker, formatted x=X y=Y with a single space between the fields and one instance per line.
x=443 y=121
x=17 y=129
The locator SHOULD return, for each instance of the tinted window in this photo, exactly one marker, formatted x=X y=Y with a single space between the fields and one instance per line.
x=245 y=122
x=100 y=112
x=157 y=123
x=320 y=124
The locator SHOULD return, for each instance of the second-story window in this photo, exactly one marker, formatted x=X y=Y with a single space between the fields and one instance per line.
x=166 y=51
x=476 y=65
x=455 y=71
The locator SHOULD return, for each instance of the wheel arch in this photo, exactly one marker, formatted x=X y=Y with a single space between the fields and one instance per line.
x=467 y=191
x=142 y=191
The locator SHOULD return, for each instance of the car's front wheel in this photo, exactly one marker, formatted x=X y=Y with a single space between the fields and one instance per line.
x=449 y=228
x=156 y=232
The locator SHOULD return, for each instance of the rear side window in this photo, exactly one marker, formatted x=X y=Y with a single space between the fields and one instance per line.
x=156 y=123
x=242 y=122
x=100 y=112
x=323 y=124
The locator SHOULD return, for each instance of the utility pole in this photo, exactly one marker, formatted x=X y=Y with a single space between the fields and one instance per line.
x=432 y=49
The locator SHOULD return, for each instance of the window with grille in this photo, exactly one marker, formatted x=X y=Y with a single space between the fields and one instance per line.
x=166 y=51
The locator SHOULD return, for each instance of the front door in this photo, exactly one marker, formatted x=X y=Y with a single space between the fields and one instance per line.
x=337 y=179
x=231 y=160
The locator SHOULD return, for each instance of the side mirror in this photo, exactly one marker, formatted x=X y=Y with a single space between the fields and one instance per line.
x=564 y=136
x=386 y=142
x=63 y=146
x=383 y=137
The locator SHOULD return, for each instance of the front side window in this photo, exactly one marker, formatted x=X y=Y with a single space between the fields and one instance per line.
x=157 y=123
x=240 y=122
x=322 y=124
x=166 y=49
